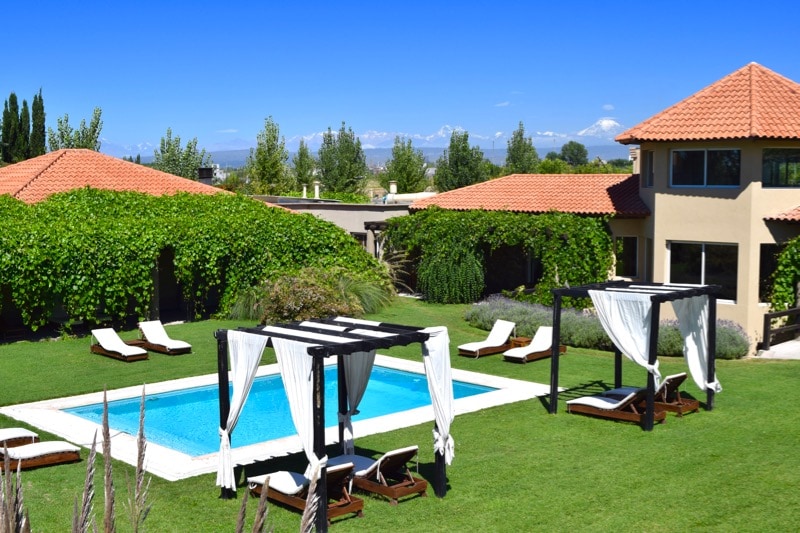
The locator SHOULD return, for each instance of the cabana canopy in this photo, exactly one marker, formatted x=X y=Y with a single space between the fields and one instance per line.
x=354 y=343
x=629 y=313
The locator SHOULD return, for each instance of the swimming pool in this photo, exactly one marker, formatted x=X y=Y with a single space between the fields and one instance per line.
x=170 y=464
x=187 y=420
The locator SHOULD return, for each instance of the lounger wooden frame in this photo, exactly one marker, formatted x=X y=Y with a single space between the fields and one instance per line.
x=393 y=479
x=160 y=348
x=340 y=502
x=534 y=356
x=96 y=348
x=632 y=411
x=489 y=350
x=47 y=459
x=18 y=439
x=667 y=396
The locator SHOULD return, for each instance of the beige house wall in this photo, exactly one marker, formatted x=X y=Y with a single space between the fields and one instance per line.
x=720 y=215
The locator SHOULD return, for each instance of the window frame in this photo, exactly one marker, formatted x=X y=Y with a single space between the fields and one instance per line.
x=705 y=184
x=773 y=185
x=703 y=264
x=635 y=274
x=648 y=169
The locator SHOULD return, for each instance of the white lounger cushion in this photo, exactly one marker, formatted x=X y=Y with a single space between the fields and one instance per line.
x=624 y=391
x=365 y=466
x=37 y=449
x=154 y=332
x=16 y=433
x=290 y=482
x=501 y=331
x=542 y=341
x=110 y=341
x=602 y=402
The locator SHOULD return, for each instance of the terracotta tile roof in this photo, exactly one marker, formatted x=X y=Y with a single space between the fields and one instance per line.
x=584 y=194
x=63 y=170
x=793 y=215
x=753 y=102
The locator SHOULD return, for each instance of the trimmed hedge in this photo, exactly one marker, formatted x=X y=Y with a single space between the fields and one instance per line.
x=94 y=251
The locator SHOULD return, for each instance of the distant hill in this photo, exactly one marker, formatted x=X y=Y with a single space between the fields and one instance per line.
x=377 y=157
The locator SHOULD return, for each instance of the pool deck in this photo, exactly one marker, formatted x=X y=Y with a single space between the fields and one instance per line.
x=172 y=465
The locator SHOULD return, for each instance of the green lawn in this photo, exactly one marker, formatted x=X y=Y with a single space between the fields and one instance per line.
x=517 y=468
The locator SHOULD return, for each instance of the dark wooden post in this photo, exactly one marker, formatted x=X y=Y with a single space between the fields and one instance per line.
x=224 y=393
x=652 y=357
x=342 y=388
x=319 y=440
x=712 y=349
x=440 y=473
x=617 y=367
x=553 y=407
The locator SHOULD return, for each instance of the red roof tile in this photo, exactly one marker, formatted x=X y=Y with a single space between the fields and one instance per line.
x=584 y=194
x=753 y=102
x=793 y=215
x=63 y=170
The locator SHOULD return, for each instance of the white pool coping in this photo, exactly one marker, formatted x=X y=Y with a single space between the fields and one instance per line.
x=172 y=465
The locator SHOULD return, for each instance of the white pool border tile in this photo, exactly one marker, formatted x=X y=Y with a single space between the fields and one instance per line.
x=171 y=465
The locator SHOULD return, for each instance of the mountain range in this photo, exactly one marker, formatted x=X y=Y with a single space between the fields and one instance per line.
x=598 y=139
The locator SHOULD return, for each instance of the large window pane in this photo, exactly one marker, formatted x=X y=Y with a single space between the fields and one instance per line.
x=767 y=265
x=721 y=261
x=780 y=167
x=723 y=167
x=688 y=167
x=627 y=256
x=685 y=264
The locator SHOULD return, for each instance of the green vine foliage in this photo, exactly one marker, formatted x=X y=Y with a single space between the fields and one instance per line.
x=451 y=247
x=786 y=277
x=95 y=253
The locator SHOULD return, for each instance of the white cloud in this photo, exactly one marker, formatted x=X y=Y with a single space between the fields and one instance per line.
x=503 y=104
x=608 y=107
x=498 y=134
x=228 y=130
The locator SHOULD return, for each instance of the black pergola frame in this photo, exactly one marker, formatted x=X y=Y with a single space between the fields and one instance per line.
x=400 y=336
x=676 y=292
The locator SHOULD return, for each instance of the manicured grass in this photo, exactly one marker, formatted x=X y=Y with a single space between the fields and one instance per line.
x=516 y=468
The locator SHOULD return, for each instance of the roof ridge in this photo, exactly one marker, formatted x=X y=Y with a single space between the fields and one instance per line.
x=41 y=171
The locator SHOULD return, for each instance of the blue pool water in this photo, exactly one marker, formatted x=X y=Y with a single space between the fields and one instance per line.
x=187 y=420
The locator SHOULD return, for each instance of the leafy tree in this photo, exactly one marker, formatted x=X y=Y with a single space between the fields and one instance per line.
x=173 y=159
x=553 y=166
x=552 y=155
x=342 y=163
x=266 y=165
x=304 y=165
x=521 y=156
x=84 y=137
x=10 y=128
x=460 y=165
x=38 y=141
x=575 y=153
x=407 y=167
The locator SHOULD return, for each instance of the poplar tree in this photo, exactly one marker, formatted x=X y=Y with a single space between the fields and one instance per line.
x=10 y=128
x=86 y=136
x=37 y=145
x=304 y=165
x=406 y=167
x=521 y=156
x=266 y=165
x=21 y=150
x=342 y=163
x=460 y=165
x=171 y=158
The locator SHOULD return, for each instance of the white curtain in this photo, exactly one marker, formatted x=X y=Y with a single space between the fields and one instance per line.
x=692 y=316
x=296 y=368
x=357 y=369
x=625 y=317
x=245 y=351
x=436 y=356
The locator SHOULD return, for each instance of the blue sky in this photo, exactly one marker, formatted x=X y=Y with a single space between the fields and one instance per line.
x=216 y=70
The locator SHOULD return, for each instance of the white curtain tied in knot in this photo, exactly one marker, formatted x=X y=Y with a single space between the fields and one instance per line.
x=245 y=350
x=296 y=368
x=357 y=369
x=436 y=356
x=692 y=316
x=625 y=317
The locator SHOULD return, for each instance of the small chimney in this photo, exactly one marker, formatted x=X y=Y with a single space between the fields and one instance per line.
x=633 y=155
x=316 y=189
x=392 y=187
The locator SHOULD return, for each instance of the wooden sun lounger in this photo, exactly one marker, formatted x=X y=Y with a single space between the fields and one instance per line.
x=540 y=347
x=291 y=489
x=38 y=454
x=630 y=408
x=111 y=345
x=388 y=476
x=497 y=341
x=155 y=338
x=667 y=396
x=13 y=437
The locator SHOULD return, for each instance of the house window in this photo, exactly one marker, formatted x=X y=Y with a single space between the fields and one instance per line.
x=705 y=168
x=780 y=167
x=766 y=267
x=648 y=168
x=626 y=250
x=705 y=264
